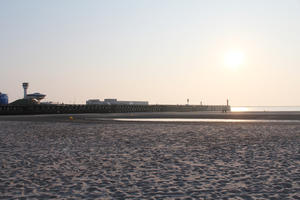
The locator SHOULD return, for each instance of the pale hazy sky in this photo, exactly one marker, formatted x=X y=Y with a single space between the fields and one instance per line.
x=162 y=51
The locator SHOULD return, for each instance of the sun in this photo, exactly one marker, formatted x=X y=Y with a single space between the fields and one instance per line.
x=234 y=59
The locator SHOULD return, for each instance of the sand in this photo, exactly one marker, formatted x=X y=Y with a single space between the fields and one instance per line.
x=148 y=160
x=185 y=115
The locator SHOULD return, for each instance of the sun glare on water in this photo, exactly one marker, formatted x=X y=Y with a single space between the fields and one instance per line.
x=234 y=59
x=239 y=109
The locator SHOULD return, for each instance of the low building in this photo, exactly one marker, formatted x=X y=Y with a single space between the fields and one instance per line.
x=133 y=102
x=110 y=101
x=93 y=102
x=114 y=102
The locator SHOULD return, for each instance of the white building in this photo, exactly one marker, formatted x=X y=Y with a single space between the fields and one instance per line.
x=114 y=102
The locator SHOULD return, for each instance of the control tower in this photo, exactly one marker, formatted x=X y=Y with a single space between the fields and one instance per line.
x=25 y=87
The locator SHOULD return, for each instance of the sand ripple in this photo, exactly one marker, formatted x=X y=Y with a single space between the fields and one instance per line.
x=121 y=160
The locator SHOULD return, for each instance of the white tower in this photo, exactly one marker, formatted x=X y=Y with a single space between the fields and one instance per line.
x=25 y=86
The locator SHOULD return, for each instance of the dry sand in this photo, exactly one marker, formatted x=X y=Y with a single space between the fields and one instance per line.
x=143 y=160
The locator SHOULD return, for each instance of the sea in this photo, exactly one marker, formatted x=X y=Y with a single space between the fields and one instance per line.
x=264 y=108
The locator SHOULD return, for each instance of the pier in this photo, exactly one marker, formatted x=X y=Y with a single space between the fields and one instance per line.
x=70 y=109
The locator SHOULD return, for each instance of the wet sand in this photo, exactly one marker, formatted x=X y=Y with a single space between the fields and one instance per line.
x=85 y=118
x=56 y=157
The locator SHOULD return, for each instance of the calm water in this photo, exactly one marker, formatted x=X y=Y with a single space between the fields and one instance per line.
x=264 y=108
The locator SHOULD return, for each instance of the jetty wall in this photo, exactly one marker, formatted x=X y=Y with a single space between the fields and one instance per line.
x=70 y=109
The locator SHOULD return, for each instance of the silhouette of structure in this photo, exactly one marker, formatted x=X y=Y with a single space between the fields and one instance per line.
x=36 y=95
x=25 y=87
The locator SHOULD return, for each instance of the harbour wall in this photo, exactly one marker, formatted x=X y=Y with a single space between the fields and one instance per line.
x=71 y=109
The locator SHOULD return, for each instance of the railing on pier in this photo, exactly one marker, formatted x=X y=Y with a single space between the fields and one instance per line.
x=57 y=109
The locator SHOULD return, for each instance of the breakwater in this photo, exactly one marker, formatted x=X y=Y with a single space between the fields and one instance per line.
x=70 y=109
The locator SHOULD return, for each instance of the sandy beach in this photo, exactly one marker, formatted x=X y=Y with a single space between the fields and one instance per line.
x=53 y=157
